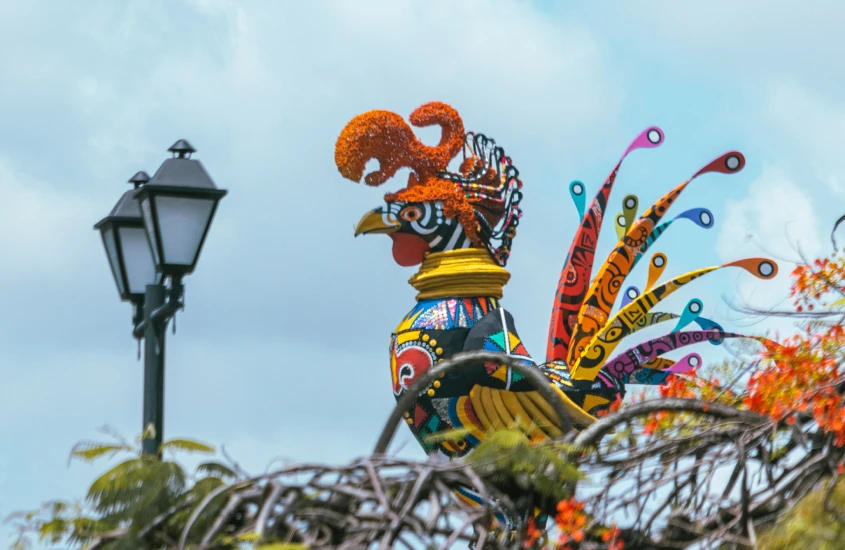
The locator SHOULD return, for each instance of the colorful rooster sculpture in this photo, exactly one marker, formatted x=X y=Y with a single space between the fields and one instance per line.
x=459 y=226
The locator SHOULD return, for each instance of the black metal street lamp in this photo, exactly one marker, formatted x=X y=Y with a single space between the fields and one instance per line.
x=155 y=234
x=127 y=249
x=178 y=205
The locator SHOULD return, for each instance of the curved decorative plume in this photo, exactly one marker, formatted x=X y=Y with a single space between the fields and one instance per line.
x=631 y=294
x=627 y=362
x=653 y=318
x=701 y=217
x=601 y=346
x=575 y=275
x=629 y=209
x=649 y=319
x=579 y=197
x=668 y=365
x=625 y=218
x=686 y=364
x=691 y=312
x=653 y=376
x=621 y=224
x=599 y=301
x=656 y=267
x=707 y=324
x=660 y=363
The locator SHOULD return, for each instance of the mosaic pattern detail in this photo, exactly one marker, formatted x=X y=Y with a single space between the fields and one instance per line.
x=451 y=313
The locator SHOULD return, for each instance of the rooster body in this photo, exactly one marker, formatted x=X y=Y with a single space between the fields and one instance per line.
x=482 y=396
x=459 y=227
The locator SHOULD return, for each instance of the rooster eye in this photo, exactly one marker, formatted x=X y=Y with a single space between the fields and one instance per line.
x=411 y=214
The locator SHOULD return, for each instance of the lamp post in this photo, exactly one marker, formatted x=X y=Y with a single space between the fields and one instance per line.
x=153 y=236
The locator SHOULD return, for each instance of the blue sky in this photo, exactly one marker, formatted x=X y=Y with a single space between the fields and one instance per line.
x=281 y=351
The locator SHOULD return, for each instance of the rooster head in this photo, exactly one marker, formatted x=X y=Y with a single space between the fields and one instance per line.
x=416 y=229
x=439 y=210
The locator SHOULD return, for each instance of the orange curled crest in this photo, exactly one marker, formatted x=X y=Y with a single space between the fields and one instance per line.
x=387 y=138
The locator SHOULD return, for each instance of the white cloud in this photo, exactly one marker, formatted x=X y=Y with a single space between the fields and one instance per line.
x=792 y=205
x=777 y=220
x=43 y=229
x=527 y=76
x=776 y=216
x=737 y=44
x=808 y=130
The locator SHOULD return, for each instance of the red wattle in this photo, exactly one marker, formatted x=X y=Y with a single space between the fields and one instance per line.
x=409 y=250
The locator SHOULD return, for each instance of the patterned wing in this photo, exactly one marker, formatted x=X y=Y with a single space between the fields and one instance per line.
x=502 y=398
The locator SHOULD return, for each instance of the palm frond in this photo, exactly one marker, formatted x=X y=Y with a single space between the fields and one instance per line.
x=187 y=445
x=216 y=469
x=92 y=450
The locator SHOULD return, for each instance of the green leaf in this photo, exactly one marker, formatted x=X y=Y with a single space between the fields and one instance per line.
x=91 y=450
x=838 y=303
x=449 y=435
x=204 y=486
x=56 y=506
x=508 y=439
x=122 y=476
x=216 y=469
x=53 y=530
x=187 y=445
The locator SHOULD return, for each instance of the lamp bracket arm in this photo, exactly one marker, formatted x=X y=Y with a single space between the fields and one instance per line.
x=163 y=313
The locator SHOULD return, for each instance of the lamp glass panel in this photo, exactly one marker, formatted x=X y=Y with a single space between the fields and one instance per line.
x=114 y=258
x=182 y=222
x=146 y=212
x=138 y=259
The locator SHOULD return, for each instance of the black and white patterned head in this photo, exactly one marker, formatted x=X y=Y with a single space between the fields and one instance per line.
x=416 y=229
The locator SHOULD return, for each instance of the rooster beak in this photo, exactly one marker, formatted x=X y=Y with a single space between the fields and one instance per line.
x=377 y=221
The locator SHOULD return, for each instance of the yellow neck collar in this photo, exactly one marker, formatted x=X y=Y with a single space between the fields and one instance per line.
x=461 y=273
